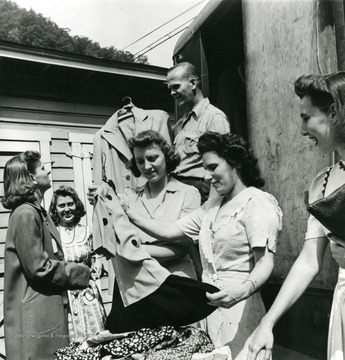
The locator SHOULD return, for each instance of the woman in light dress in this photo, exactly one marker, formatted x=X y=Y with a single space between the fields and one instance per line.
x=86 y=316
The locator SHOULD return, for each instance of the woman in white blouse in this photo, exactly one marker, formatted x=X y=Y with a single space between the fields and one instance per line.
x=237 y=234
x=161 y=198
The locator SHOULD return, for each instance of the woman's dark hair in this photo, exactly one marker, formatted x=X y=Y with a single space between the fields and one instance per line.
x=236 y=152
x=64 y=190
x=18 y=183
x=325 y=90
x=148 y=137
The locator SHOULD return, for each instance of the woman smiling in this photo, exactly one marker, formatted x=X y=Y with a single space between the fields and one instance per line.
x=322 y=104
x=86 y=314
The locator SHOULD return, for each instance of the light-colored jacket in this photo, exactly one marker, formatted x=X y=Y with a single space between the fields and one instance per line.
x=111 y=152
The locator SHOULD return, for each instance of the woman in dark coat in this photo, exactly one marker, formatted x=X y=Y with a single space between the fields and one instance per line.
x=36 y=275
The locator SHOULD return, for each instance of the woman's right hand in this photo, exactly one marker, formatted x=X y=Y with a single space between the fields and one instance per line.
x=261 y=340
x=91 y=192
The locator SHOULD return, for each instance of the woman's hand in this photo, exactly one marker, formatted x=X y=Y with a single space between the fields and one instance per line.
x=97 y=268
x=123 y=203
x=262 y=339
x=230 y=296
x=337 y=246
x=91 y=192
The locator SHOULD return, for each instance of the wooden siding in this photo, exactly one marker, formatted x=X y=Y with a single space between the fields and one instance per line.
x=62 y=150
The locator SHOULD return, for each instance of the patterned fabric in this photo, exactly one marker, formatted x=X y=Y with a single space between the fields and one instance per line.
x=86 y=314
x=162 y=343
x=188 y=342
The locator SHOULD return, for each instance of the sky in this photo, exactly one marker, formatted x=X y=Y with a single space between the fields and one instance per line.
x=119 y=23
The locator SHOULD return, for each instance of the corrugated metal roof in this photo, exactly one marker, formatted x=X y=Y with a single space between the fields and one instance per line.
x=197 y=24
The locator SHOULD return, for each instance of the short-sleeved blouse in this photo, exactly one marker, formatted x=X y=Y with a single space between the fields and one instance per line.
x=327 y=181
x=179 y=200
x=251 y=219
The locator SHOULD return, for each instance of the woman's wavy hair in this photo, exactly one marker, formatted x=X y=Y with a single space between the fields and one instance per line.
x=236 y=152
x=18 y=183
x=325 y=90
x=146 y=138
x=64 y=190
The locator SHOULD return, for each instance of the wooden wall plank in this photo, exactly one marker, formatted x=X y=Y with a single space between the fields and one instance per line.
x=4 y=219
x=18 y=146
x=2 y=251
x=61 y=161
x=62 y=174
x=60 y=147
x=4 y=159
x=25 y=135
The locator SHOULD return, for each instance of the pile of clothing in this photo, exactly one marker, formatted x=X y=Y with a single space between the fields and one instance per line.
x=163 y=343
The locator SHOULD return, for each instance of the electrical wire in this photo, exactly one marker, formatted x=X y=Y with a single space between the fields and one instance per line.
x=160 y=43
x=166 y=35
x=169 y=21
x=55 y=6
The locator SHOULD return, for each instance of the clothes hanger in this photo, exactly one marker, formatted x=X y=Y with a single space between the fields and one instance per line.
x=127 y=100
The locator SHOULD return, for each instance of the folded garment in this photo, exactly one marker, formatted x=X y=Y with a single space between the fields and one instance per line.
x=178 y=301
x=330 y=211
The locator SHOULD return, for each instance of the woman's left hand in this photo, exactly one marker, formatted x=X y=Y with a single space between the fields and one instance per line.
x=230 y=296
x=97 y=268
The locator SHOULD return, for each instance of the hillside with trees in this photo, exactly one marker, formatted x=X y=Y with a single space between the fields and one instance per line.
x=25 y=27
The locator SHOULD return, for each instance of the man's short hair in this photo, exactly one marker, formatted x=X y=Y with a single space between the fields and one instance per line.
x=189 y=71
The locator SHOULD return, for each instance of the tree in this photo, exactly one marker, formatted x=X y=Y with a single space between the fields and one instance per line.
x=29 y=28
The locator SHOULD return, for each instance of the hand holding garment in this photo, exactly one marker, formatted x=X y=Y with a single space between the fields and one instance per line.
x=147 y=294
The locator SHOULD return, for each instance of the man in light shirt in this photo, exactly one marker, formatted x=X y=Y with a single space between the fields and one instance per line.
x=184 y=83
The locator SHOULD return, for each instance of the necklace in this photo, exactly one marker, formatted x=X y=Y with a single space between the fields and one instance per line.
x=65 y=234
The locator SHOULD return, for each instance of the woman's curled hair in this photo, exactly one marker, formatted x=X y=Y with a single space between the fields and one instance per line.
x=18 y=183
x=236 y=152
x=64 y=190
x=148 y=137
x=324 y=91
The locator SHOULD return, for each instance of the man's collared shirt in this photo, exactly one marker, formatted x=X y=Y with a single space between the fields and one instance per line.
x=203 y=117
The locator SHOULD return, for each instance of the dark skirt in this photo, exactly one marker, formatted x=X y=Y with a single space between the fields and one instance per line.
x=178 y=301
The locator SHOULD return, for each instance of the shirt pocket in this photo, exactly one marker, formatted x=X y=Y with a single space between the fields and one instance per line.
x=190 y=142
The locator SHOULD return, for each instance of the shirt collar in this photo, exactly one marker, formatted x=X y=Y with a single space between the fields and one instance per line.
x=38 y=207
x=139 y=114
x=172 y=186
x=199 y=108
